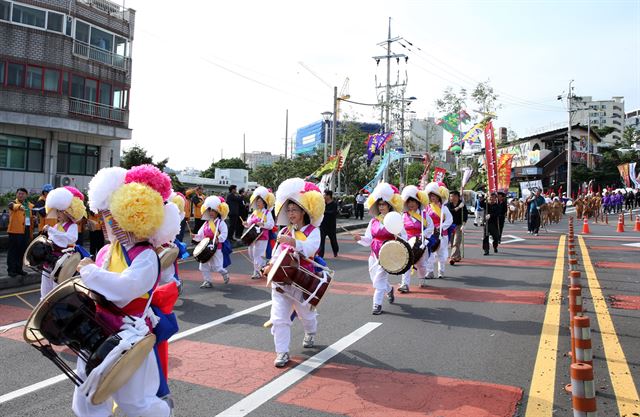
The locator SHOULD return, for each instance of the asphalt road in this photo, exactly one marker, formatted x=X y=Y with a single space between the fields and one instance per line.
x=471 y=344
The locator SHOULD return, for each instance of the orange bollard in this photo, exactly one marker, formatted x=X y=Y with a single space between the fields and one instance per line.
x=606 y=218
x=585 y=226
x=582 y=340
x=575 y=310
x=620 y=228
x=583 y=390
x=636 y=228
x=573 y=264
x=574 y=279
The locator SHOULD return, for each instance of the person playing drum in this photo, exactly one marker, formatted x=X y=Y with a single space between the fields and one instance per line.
x=442 y=221
x=261 y=202
x=126 y=273
x=384 y=198
x=418 y=225
x=215 y=211
x=66 y=204
x=300 y=206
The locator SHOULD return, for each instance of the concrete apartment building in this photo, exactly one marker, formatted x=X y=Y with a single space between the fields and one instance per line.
x=65 y=76
x=632 y=119
x=423 y=134
x=257 y=158
x=601 y=113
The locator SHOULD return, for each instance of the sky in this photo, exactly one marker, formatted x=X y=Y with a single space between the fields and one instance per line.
x=205 y=73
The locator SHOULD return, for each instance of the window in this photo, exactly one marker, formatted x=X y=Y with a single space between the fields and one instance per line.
x=77 y=86
x=21 y=153
x=51 y=80
x=105 y=94
x=34 y=77
x=65 y=83
x=78 y=159
x=121 y=46
x=91 y=90
x=101 y=39
x=28 y=16
x=1 y=72
x=82 y=31
x=68 y=26
x=54 y=21
x=15 y=75
x=5 y=9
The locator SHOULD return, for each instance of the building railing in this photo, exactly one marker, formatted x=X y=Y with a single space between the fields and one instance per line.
x=93 y=53
x=109 y=7
x=101 y=111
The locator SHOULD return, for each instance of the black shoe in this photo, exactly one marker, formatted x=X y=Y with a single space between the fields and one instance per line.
x=390 y=296
x=495 y=250
x=13 y=274
x=23 y=273
x=486 y=253
x=377 y=309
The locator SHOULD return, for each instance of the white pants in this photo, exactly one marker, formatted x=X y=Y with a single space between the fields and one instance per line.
x=46 y=285
x=420 y=267
x=281 y=310
x=257 y=251
x=440 y=256
x=212 y=265
x=136 y=398
x=379 y=279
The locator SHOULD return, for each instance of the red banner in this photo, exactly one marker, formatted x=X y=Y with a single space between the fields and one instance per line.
x=504 y=171
x=624 y=173
x=438 y=174
x=490 y=157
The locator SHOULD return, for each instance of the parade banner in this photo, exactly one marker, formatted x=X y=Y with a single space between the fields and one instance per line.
x=375 y=143
x=330 y=166
x=624 y=173
x=438 y=174
x=528 y=187
x=504 y=171
x=490 y=160
x=466 y=176
x=473 y=135
x=325 y=181
x=342 y=156
x=632 y=174
x=389 y=157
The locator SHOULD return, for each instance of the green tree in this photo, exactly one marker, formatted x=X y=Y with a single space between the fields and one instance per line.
x=355 y=173
x=231 y=163
x=485 y=97
x=137 y=155
x=630 y=138
x=452 y=102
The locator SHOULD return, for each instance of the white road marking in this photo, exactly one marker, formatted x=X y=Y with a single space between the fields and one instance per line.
x=513 y=239
x=633 y=245
x=51 y=381
x=12 y=325
x=275 y=387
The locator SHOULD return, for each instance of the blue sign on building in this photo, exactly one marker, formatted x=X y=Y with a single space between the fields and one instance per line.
x=309 y=138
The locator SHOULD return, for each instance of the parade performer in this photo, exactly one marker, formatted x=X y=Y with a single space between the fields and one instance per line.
x=261 y=201
x=66 y=205
x=384 y=198
x=126 y=273
x=215 y=211
x=171 y=273
x=417 y=224
x=300 y=206
x=442 y=221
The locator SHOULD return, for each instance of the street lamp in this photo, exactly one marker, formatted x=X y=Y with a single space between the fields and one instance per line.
x=326 y=116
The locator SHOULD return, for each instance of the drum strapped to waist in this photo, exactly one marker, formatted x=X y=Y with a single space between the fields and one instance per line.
x=395 y=256
x=251 y=235
x=418 y=247
x=167 y=255
x=286 y=270
x=67 y=316
x=204 y=251
x=42 y=254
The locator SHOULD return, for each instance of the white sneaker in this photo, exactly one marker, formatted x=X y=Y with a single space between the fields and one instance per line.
x=281 y=360
x=308 y=341
x=429 y=275
x=225 y=278
x=206 y=284
x=440 y=275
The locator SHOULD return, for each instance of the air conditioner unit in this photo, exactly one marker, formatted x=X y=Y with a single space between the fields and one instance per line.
x=65 y=181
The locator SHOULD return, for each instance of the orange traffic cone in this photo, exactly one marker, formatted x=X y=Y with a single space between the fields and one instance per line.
x=585 y=226
x=620 y=224
x=636 y=228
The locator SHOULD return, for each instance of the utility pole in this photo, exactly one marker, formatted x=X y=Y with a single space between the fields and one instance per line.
x=286 y=133
x=244 y=148
x=569 y=145
x=334 y=126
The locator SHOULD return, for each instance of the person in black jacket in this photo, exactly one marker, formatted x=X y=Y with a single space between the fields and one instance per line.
x=460 y=215
x=328 y=225
x=492 y=217
x=234 y=200
x=502 y=212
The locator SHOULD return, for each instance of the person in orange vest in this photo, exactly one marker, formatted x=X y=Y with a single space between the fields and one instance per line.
x=196 y=198
x=39 y=209
x=20 y=230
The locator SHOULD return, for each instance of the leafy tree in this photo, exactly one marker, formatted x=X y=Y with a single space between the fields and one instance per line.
x=355 y=173
x=630 y=137
x=452 y=102
x=231 y=163
x=137 y=155
x=485 y=97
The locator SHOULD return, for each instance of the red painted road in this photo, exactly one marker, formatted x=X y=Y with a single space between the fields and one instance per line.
x=10 y=314
x=341 y=389
x=617 y=265
x=625 y=302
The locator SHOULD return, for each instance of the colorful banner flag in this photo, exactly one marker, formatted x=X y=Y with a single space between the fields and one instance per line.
x=389 y=157
x=632 y=174
x=466 y=176
x=330 y=166
x=504 y=171
x=490 y=160
x=375 y=143
x=624 y=173
x=342 y=156
x=473 y=135
x=438 y=174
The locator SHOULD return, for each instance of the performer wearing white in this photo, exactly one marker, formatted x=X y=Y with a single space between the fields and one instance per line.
x=300 y=205
x=442 y=220
x=215 y=228
x=384 y=198
x=417 y=223
x=261 y=202
x=66 y=205
x=132 y=202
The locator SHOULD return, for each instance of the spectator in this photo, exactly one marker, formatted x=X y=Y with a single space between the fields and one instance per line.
x=96 y=236
x=195 y=196
x=493 y=224
x=4 y=219
x=460 y=215
x=534 y=203
x=234 y=201
x=360 y=199
x=39 y=209
x=479 y=215
x=21 y=220
x=328 y=225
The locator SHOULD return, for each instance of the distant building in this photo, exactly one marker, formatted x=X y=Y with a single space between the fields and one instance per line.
x=632 y=119
x=221 y=181
x=424 y=135
x=256 y=159
x=312 y=137
x=602 y=113
x=65 y=76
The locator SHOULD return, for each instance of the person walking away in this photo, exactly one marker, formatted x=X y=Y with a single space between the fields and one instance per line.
x=493 y=225
x=328 y=225
x=460 y=216
x=534 y=202
x=479 y=211
x=21 y=221
x=360 y=199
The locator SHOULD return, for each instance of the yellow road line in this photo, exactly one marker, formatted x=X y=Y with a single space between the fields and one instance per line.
x=619 y=372
x=543 y=380
x=19 y=293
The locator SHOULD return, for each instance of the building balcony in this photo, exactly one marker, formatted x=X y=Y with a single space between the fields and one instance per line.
x=96 y=110
x=85 y=50
x=108 y=7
